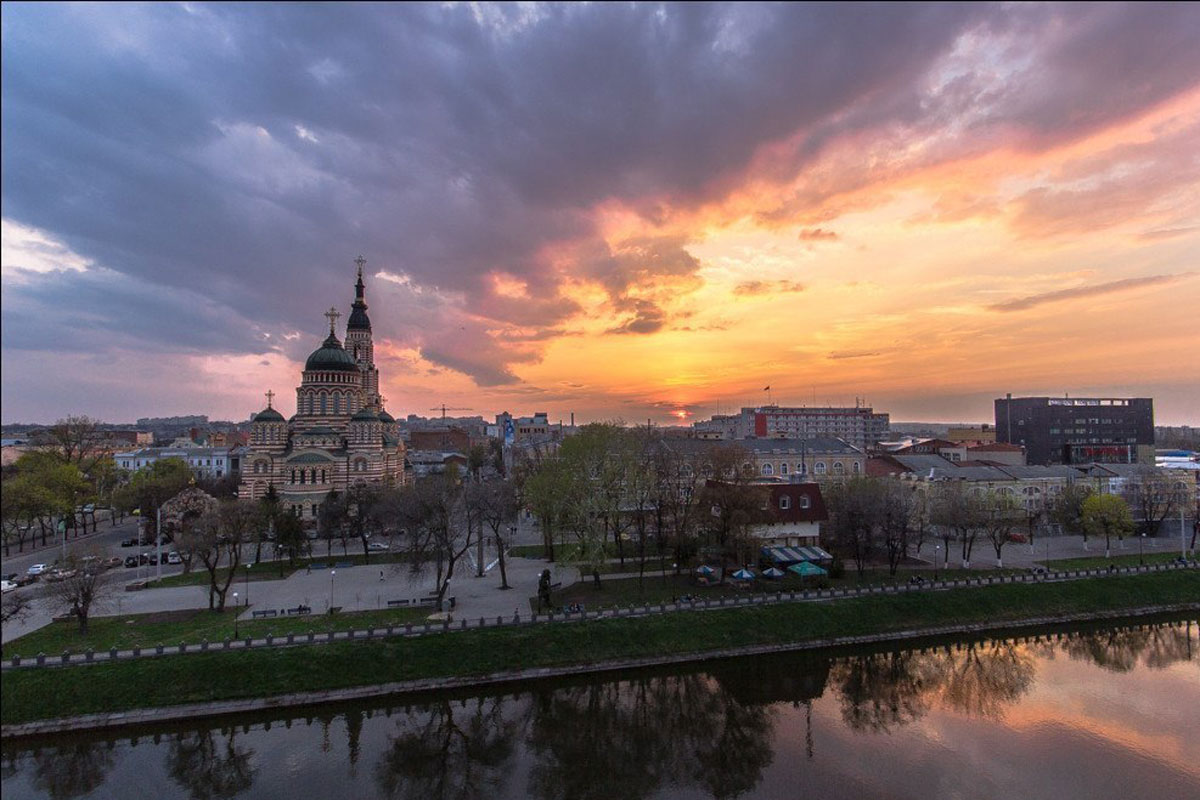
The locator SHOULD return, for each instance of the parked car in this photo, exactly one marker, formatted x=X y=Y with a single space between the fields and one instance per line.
x=378 y=546
x=149 y=558
x=60 y=574
x=7 y=586
x=131 y=561
x=115 y=561
x=174 y=558
x=129 y=542
x=1020 y=538
x=37 y=569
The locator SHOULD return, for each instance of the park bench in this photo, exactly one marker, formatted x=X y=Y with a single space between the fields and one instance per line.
x=299 y=610
x=322 y=565
x=343 y=564
x=397 y=603
x=266 y=612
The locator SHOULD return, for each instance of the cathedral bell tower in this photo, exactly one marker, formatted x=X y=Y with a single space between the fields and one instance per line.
x=358 y=340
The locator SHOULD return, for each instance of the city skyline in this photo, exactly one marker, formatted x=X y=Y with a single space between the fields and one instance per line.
x=618 y=212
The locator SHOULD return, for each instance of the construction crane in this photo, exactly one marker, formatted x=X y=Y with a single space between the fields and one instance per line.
x=444 y=408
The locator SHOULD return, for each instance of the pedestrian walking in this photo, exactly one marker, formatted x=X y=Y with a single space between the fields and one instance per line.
x=381 y=575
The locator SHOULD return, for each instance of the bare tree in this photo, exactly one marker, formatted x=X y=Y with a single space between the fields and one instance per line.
x=1153 y=497
x=498 y=508
x=435 y=526
x=857 y=510
x=14 y=607
x=77 y=438
x=217 y=538
x=899 y=504
x=80 y=586
x=957 y=511
x=1001 y=515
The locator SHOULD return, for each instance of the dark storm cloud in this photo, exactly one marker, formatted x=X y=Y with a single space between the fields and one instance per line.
x=242 y=154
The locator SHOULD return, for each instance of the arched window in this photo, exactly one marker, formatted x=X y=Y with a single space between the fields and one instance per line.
x=767 y=470
x=839 y=468
x=324 y=399
x=783 y=468
x=819 y=468
x=856 y=467
x=293 y=476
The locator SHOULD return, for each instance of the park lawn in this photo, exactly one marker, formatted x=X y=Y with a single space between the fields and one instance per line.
x=1121 y=558
x=655 y=588
x=30 y=694
x=192 y=626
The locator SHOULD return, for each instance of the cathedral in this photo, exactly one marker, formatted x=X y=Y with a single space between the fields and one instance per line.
x=340 y=436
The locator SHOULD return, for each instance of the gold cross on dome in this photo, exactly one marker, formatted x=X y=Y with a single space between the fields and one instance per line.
x=333 y=315
x=270 y=396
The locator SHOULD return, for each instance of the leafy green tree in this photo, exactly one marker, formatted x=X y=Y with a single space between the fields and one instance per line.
x=1066 y=510
x=290 y=537
x=547 y=491
x=151 y=486
x=1106 y=515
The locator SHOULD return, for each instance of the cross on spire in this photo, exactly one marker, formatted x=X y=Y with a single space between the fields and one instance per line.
x=362 y=262
x=332 y=315
x=270 y=396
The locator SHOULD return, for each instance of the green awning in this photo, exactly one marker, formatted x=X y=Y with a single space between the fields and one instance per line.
x=806 y=568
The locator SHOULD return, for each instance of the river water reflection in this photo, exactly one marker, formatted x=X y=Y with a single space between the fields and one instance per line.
x=1094 y=713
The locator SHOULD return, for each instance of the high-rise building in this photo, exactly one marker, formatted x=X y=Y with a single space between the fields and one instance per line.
x=1078 y=430
x=859 y=426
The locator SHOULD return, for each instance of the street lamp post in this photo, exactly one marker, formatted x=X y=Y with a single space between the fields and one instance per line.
x=1141 y=553
x=235 y=615
x=332 y=572
x=936 y=548
x=246 y=583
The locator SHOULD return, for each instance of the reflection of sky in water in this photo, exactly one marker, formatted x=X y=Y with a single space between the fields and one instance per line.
x=1007 y=722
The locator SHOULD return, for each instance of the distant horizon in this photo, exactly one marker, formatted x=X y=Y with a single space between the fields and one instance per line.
x=926 y=205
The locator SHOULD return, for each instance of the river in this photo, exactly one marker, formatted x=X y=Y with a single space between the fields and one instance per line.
x=1092 y=712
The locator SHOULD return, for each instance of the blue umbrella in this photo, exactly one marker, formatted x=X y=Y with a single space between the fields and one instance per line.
x=705 y=570
x=743 y=575
x=772 y=572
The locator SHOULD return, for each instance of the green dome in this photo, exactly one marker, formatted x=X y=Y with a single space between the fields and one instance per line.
x=330 y=356
x=364 y=415
x=268 y=415
x=386 y=417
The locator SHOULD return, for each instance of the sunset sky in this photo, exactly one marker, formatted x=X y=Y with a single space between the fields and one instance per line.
x=626 y=212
